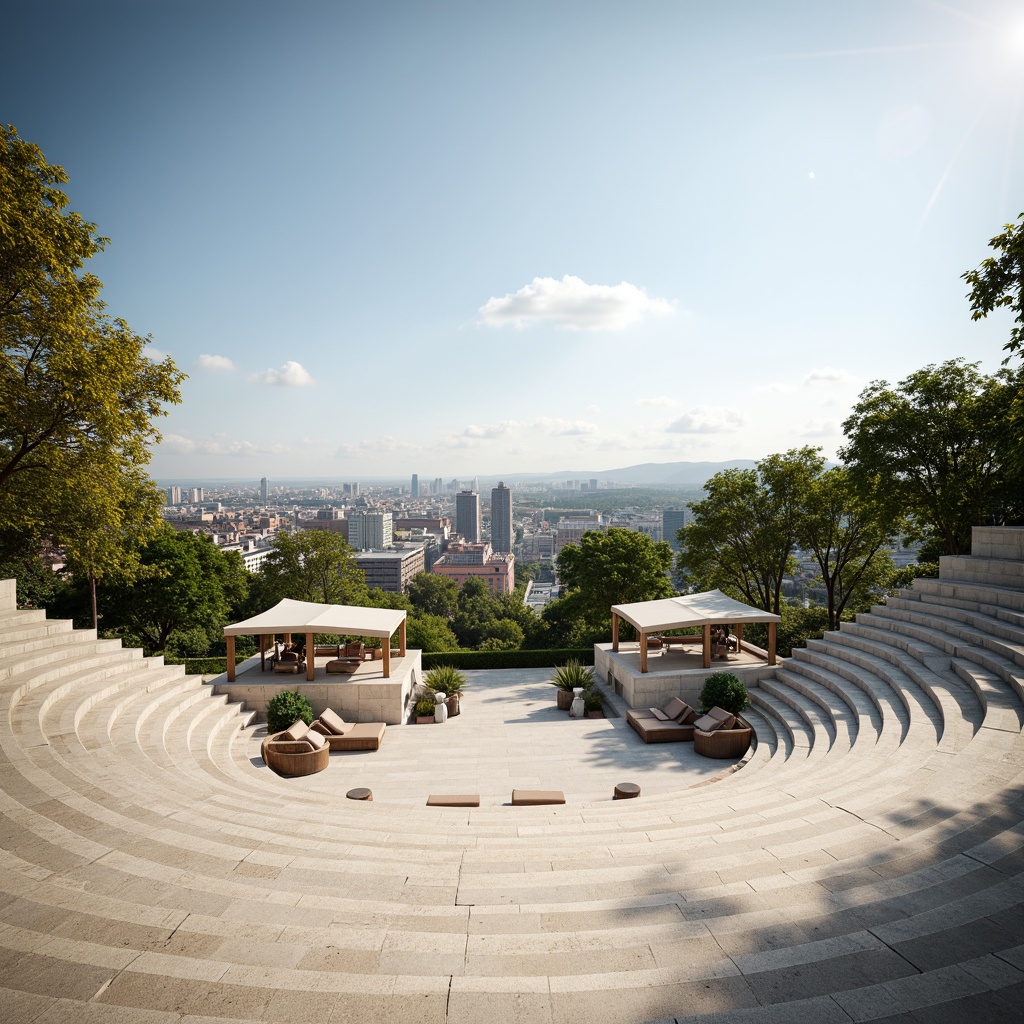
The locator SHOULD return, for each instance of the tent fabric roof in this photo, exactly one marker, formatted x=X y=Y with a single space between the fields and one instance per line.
x=690 y=610
x=289 y=616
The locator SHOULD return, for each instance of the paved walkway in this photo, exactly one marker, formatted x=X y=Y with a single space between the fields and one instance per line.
x=510 y=735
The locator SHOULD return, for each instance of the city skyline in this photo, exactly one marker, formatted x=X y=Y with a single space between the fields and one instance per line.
x=555 y=238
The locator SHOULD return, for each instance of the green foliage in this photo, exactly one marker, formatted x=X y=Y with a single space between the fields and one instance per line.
x=433 y=594
x=904 y=578
x=287 y=707
x=572 y=674
x=430 y=633
x=593 y=699
x=743 y=534
x=938 y=444
x=78 y=396
x=425 y=707
x=726 y=691
x=446 y=679
x=378 y=598
x=798 y=625
x=184 y=582
x=192 y=642
x=468 y=660
x=312 y=565
x=999 y=281
x=616 y=567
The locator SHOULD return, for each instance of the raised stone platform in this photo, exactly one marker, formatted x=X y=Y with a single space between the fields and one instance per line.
x=360 y=696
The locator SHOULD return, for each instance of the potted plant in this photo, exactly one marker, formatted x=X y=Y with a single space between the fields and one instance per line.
x=569 y=677
x=425 y=711
x=593 y=702
x=449 y=682
x=726 y=691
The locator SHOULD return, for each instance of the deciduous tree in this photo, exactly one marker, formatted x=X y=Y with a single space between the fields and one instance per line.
x=998 y=282
x=312 y=565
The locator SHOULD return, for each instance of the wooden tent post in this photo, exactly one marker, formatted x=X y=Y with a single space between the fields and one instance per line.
x=387 y=657
x=310 y=657
x=643 y=652
x=231 y=658
x=615 y=632
x=707 y=645
x=401 y=639
x=772 y=632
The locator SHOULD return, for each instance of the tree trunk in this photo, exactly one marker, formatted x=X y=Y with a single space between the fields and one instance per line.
x=92 y=593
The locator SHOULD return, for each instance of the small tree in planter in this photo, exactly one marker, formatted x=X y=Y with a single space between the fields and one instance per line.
x=593 y=702
x=567 y=678
x=425 y=710
x=726 y=691
x=449 y=681
x=287 y=707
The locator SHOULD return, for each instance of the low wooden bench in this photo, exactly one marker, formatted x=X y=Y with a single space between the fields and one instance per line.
x=531 y=797
x=453 y=800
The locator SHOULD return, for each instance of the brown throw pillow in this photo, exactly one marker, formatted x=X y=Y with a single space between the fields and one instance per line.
x=334 y=722
x=659 y=714
x=314 y=739
x=708 y=724
x=727 y=720
x=675 y=707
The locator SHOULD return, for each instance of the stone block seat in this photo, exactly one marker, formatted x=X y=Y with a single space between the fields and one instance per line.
x=866 y=863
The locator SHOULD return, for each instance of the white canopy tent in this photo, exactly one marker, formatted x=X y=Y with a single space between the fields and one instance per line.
x=705 y=610
x=309 y=618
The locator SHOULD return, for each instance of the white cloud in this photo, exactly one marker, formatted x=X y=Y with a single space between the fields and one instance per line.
x=662 y=401
x=220 y=444
x=564 y=428
x=772 y=389
x=489 y=430
x=572 y=304
x=375 y=446
x=214 y=364
x=819 y=428
x=707 y=419
x=291 y=375
x=827 y=375
x=152 y=352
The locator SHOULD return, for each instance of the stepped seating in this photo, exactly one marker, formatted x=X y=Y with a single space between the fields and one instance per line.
x=864 y=864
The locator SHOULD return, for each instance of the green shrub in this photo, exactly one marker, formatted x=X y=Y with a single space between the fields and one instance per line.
x=726 y=691
x=593 y=699
x=446 y=679
x=540 y=658
x=572 y=674
x=425 y=707
x=287 y=707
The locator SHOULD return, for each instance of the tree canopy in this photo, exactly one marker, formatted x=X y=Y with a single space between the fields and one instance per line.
x=938 y=443
x=312 y=565
x=78 y=394
x=998 y=282
x=744 y=532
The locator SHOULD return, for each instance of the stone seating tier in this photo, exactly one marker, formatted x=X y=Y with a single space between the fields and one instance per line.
x=867 y=862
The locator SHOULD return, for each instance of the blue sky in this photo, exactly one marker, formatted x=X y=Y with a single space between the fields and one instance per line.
x=464 y=238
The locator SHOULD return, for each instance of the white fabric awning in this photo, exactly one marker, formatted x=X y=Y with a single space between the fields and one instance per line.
x=290 y=616
x=708 y=608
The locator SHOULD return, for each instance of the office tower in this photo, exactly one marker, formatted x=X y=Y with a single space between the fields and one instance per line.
x=467 y=515
x=501 y=518
x=438 y=486
x=264 y=489
x=476 y=484
x=173 y=495
x=195 y=495
x=672 y=521
x=593 y=484
x=415 y=485
x=369 y=530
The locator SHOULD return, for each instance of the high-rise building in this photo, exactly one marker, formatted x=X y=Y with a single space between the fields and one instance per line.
x=264 y=489
x=195 y=495
x=501 y=518
x=173 y=495
x=369 y=530
x=467 y=516
x=672 y=521
x=415 y=485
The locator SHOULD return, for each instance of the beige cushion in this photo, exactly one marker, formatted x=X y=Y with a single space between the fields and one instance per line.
x=659 y=714
x=675 y=707
x=334 y=722
x=314 y=739
x=295 y=731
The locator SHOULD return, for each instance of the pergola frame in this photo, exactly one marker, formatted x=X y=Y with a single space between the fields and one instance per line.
x=308 y=618
x=704 y=609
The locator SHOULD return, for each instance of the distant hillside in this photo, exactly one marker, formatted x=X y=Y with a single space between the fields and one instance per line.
x=647 y=474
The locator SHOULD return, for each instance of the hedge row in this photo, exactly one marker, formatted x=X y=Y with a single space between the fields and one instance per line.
x=547 y=658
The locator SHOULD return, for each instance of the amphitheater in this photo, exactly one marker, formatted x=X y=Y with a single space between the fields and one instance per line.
x=865 y=864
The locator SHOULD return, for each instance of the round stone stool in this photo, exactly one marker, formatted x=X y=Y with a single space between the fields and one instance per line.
x=626 y=791
x=360 y=794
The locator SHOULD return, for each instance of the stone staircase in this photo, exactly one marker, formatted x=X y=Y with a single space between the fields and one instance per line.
x=866 y=863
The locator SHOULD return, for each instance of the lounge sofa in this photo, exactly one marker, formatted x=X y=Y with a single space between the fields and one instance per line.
x=670 y=724
x=289 y=661
x=721 y=735
x=295 y=751
x=342 y=735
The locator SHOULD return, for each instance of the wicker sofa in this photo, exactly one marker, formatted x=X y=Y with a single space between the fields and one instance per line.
x=726 y=740
x=670 y=724
x=342 y=735
x=295 y=751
